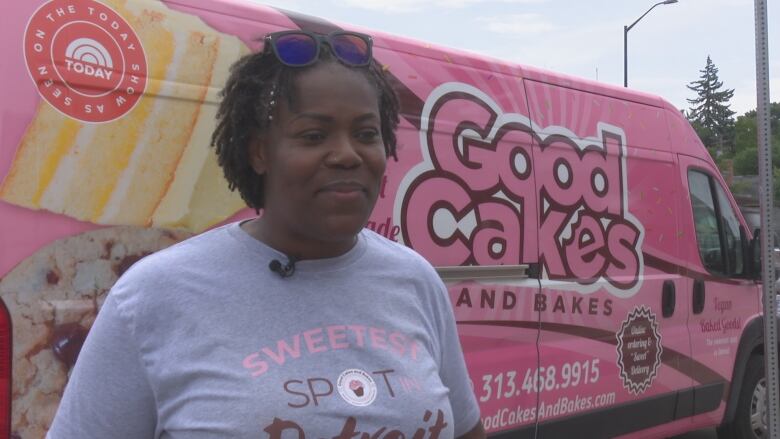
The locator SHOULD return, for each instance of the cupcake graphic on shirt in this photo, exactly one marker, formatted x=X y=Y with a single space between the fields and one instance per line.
x=357 y=387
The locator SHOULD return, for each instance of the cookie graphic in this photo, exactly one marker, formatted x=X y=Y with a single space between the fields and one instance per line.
x=53 y=297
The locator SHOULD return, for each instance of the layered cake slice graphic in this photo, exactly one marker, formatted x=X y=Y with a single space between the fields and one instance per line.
x=153 y=166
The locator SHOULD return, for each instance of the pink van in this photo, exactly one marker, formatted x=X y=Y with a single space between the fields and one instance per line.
x=600 y=271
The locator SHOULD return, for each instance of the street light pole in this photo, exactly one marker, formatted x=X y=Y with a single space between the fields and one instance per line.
x=625 y=55
x=625 y=38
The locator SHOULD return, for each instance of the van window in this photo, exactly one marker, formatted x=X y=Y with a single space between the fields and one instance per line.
x=730 y=230
x=717 y=226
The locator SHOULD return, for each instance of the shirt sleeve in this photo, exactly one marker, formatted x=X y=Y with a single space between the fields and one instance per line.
x=108 y=393
x=452 y=367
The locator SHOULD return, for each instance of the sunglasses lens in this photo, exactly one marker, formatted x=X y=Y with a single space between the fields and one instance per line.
x=296 y=49
x=352 y=49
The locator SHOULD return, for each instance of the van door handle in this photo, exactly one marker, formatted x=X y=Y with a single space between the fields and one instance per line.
x=668 y=298
x=698 y=296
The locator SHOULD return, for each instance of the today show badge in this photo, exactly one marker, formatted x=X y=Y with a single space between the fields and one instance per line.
x=85 y=59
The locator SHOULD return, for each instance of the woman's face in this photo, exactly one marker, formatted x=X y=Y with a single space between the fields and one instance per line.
x=322 y=160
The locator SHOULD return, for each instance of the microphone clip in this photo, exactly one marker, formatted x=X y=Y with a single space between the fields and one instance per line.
x=283 y=270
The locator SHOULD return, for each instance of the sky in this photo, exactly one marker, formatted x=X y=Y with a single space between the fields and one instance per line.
x=667 y=49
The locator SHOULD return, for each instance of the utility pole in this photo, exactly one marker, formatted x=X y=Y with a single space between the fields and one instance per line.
x=766 y=199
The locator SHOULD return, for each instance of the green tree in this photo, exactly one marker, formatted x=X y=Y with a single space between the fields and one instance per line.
x=746 y=141
x=745 y=135
x=745 y=161
x=710 y=112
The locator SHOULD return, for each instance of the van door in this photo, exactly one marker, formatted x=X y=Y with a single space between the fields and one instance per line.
x=612 y=330
x=469 y=206
x=499 y=347
x=720 y=295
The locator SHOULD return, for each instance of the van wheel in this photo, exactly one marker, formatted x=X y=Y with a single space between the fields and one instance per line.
x=750 y=421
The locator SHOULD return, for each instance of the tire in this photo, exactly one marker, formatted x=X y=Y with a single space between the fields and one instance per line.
x=750 y=419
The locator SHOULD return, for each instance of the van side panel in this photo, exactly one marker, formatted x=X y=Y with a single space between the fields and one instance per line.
x=464 y=195
x=556 y=209
x=609 y=252
x=683 y=139
x=727 y=303
x=718 y=330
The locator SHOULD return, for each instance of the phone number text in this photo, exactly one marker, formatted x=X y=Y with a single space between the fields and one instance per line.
x=541 y=379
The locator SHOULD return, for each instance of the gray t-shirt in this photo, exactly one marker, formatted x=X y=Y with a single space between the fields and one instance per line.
x=202 y=340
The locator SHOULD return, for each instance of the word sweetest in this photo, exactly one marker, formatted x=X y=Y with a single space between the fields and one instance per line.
x=492 y=183
x=327 y=338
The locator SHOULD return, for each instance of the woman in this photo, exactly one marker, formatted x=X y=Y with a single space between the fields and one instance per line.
x=298 y=323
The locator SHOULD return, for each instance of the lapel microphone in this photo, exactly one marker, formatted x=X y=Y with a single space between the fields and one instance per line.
x=283 y=270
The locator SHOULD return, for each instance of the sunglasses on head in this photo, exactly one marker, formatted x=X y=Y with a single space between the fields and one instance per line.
x=298 y=48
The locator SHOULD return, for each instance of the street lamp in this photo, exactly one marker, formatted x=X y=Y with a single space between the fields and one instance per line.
x=625 y=38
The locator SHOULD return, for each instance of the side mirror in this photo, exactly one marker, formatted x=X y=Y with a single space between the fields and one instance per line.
x=755 y=258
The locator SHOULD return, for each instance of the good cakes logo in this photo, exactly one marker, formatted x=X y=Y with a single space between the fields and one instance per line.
x=639 y=350
x=85 y=59
x=356 y=387
x=473 y=200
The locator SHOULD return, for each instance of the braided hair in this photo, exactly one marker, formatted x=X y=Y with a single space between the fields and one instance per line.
x=247 y=103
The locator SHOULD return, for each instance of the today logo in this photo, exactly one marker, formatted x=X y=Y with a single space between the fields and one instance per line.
x=85 y=59
x=85 y=56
